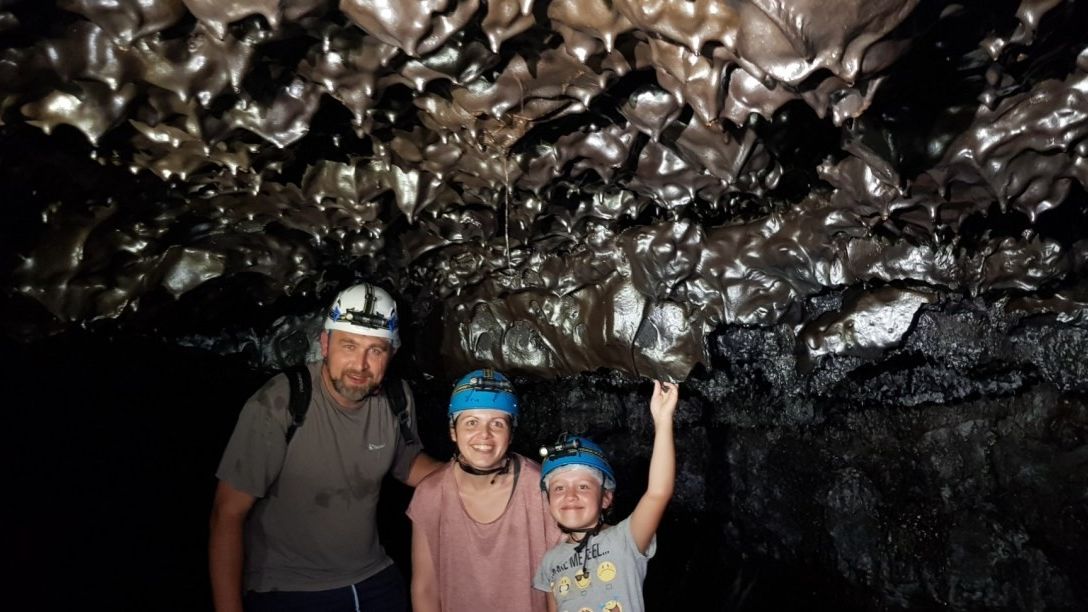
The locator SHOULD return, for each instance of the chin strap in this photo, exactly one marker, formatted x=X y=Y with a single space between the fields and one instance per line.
x=498 y=470
x=589 y=533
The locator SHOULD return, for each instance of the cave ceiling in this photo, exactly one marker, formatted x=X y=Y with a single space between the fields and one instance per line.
x=547 y=187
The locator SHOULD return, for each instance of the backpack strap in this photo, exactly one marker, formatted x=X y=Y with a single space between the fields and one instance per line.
x=398 y=403
x=298 y=378
x=301 y=389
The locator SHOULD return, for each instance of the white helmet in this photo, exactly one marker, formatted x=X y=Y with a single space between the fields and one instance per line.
x=367 y=310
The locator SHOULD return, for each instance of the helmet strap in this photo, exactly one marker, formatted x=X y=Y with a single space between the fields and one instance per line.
x=497 y=470
x=589 y=533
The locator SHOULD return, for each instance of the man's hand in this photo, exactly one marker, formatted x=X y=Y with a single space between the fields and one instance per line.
x=422 y=466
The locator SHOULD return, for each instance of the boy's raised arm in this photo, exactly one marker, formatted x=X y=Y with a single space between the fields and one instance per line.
x=648 y=512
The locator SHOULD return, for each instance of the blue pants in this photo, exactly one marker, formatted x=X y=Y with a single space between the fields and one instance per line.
x=382 y=592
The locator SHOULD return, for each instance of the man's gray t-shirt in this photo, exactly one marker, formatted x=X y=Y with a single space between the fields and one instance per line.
x=313 y=526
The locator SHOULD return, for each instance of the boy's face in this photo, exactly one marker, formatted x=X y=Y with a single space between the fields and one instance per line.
x=482 y=437
x=576 y=498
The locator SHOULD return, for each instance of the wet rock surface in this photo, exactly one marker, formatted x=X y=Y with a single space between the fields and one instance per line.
x=572 y=184
x=952 y=477
x=859 y=233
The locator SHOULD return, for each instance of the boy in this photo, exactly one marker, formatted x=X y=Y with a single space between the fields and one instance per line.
x=601 y=567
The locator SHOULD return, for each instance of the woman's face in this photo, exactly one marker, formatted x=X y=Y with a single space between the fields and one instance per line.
x=482 y=437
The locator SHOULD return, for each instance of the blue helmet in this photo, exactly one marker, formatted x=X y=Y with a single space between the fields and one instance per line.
x=486 y=389
x=575 y=450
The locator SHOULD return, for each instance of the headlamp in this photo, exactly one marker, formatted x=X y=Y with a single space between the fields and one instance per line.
x=363 y=319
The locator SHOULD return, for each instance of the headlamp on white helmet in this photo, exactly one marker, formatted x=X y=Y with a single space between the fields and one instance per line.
x=366 y=310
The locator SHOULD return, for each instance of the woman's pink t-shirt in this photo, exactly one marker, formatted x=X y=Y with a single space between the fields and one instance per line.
x=486 y=566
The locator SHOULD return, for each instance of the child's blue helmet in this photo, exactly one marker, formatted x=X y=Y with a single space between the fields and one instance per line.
x=486 y=389
x=575 y=450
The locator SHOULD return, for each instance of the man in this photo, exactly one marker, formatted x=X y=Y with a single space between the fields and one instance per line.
x=293 y=523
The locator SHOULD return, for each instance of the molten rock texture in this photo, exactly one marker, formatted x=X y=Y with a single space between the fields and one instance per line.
x=572 y=184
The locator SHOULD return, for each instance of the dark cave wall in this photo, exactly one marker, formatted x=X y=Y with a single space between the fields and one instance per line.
x=970 y=506
x=949 y=479
x=954 y=477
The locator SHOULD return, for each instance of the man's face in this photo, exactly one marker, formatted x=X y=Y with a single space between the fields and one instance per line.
x=354 y=364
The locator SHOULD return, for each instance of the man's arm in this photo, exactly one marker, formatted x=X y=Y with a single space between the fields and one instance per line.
x=225 y=548
x=422 y=466
x=650 y=509
x=424 y=578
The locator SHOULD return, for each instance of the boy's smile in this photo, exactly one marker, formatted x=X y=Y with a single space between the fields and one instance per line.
x=576 y=499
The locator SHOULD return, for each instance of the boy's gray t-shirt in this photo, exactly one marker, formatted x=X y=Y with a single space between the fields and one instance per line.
x=314 y=524
x=614 y=576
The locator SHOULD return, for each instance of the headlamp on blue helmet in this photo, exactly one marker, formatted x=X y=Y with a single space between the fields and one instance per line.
x=485 y=390
x=575 y=451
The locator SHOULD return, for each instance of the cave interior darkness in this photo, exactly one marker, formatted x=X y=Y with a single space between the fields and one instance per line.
x=856 y=232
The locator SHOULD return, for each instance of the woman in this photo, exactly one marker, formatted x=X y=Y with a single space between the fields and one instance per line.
x=480 y=524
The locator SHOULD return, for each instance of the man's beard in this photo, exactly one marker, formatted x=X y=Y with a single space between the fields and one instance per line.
x=352 y=392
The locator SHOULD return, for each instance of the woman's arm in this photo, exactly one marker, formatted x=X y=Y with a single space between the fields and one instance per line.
x=424 y=578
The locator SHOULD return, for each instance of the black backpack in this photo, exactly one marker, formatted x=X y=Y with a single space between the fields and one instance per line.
x=302 y=389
